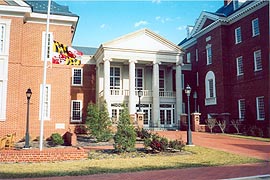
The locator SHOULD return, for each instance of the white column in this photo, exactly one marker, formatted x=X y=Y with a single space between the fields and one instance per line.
x=132 y=97
x=106 y=85
x=179 y=90
x=155 y=88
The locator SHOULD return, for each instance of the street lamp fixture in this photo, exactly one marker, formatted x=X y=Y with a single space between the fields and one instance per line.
x=189 y=136
x=195 y=96
x=28 y=96
x=140 y=94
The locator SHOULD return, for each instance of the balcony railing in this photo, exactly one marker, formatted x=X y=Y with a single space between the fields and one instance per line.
x=146 y=93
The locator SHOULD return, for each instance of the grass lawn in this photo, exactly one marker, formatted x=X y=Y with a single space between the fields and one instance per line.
x=249 y=137
x=196 y=157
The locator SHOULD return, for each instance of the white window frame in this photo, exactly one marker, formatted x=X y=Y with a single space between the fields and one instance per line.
x=258 y=60
x=72 y=109
x=113 y=76
x=74 y=76
x=255 y=27
x=239 y=66
x=241 y=109
x=162 y=89
x=2 y=38
x=50 y=46
x=238 y=35
x=209 y=54
x=210 y=91
x=137 y=78
x=188 y=57
x=260 y=108
x=47 y=101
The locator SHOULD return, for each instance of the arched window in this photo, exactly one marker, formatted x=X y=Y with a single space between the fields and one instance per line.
x=210 y=89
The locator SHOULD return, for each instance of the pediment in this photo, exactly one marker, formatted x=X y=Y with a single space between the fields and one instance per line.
x=142 y=40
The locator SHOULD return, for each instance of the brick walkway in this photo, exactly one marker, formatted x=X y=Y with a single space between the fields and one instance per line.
x=251 y=148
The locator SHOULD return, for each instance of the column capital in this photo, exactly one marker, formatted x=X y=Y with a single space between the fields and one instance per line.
x=107 y=59
x=132 y=61
x=179 y=60
x=156 y=62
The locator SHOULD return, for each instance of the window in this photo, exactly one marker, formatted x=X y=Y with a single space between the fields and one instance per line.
x=197 y=55
x=238 y=35
x=257 y=60
x=76 y=111
x=115 y=78
x=161 y=80
x=47 y=102
x=255 y=27
x=239 y=66
x=260 y=108
x=50 y=46
x=210 y=89
x=197 y=78
x=209 y=54
x=241 y=109
x=2 y=38
x=183 y=81
x=139 y=79
x=188 y=58
x=77 y=76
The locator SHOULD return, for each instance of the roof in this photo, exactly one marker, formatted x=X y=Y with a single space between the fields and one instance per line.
x=41 y=6
x=229 y=8
x=86 y=50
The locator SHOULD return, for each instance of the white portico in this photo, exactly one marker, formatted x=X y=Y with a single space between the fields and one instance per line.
x=142 y=61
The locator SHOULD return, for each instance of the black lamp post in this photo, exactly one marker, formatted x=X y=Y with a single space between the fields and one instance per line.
x=140 y=93
x=28 y=95
x=189 y=137
x=195 y=96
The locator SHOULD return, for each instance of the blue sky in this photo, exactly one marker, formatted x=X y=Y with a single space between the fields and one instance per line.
x=102 y=21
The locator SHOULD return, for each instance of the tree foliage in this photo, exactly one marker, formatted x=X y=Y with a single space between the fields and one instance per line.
x=125 y=137
x=98 y=122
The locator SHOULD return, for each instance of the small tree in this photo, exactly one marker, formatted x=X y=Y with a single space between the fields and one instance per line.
x=125 y=137
x=222 y=125
x=98 y=122
x=236 y=123
x=211 y=123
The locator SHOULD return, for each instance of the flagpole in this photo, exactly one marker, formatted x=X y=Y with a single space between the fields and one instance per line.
x=44 y=78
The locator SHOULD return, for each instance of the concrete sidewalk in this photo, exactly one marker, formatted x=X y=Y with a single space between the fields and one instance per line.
x=252 y=148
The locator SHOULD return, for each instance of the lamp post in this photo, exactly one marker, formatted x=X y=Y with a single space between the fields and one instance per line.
x=189 y=137
x=195 y=96
x=140 y=93
x=28 y=95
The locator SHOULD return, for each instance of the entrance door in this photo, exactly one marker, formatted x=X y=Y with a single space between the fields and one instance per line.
x=146 y=108
x=167 y=115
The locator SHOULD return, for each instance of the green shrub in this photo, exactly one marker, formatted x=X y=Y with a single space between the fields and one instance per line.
x=177 y=144
x=57 y=139
x=98 y=122
x=125 y=137
x=143 y=134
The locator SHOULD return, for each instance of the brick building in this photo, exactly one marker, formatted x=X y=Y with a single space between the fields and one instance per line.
x=23 y=27
x=227 y=53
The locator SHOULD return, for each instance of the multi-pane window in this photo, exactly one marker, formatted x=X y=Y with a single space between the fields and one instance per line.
x=257 y=60
x=114 y=78
x=238 y=35
x=188 y=58
x=76 y=111
x=46 y=102
x=161 y=80
x=48 y=52
x=209 y=54
x=241 y=109
x=255 y=27
x=260 y=108
x=77 y=76
x=2 y=38
x=239 y=65
x=211 y=87
x=139 y=79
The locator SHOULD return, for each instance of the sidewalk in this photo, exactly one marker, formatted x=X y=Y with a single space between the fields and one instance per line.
x=251 y=148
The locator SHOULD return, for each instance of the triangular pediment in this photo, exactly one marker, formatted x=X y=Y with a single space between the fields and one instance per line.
x=142 y=40
x=203 y=21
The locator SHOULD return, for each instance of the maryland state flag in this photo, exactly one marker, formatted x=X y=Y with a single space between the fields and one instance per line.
x=63 y=54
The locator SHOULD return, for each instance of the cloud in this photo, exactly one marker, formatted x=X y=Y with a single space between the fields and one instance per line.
x=102 y=26
x=180 y=28
x=156 y=1
x=162 y=19
x=140 y=23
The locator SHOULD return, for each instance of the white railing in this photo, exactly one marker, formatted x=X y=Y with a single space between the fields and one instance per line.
x=167 y=94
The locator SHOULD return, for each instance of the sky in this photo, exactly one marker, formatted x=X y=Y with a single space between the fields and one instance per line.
x=103 y=21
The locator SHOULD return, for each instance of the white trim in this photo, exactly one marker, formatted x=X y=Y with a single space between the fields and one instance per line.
x=136 y=68
x=209 y=57
x=210 y=100
x=71 y=113
x=238 y=65
x=255 y=60
x=240 y=108
x=48 y=87
x=237 y=35
x=188 y=57
x=120 y=77
x=81 y=84
x=253 y=27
